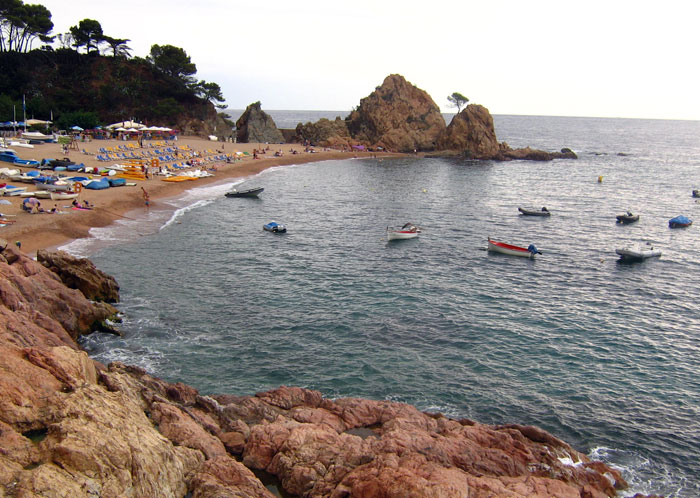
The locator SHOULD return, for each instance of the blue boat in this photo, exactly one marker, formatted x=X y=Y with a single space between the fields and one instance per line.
x=275 y=227
x=679 y=222
x=116 y=182
x=97 y=185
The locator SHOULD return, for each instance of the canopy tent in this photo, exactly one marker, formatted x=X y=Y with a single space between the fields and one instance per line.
x=76 y=128
x=32 y=122
x=126 y=124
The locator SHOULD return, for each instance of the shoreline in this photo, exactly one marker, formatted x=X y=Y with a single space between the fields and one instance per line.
x=50 y=231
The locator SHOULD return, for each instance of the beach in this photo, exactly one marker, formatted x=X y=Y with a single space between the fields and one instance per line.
x=51 y=230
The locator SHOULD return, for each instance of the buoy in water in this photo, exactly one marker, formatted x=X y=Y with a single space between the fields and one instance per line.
x=600 y=179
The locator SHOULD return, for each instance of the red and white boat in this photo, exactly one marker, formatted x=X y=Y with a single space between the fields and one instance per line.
x=408 y=231
x=511 y=250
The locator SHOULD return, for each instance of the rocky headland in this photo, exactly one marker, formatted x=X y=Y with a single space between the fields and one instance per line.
x=401 y=117
x=70 y=426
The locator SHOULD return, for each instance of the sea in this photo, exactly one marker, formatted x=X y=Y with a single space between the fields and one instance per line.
x=602 y=354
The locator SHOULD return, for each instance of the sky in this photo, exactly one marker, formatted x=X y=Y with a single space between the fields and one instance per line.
x=614 y=58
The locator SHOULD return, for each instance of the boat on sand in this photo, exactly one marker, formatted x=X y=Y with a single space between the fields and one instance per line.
x=501 y=247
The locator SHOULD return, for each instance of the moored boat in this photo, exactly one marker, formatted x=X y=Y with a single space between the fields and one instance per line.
x=251 y=192
x=274 y=227
x=628 y=217
x=501 y=247
x=535 y=212
x=638 y=253
x=407 y=231
x=680 y=222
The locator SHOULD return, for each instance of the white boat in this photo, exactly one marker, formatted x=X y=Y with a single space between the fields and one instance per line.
x=40 y=194
x=511 y=250
x=11 y=190
x=638 y=253
x=63 y=195
x=408 y=231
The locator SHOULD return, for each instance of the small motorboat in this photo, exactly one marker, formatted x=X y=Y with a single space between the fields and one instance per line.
x=535 y=212
x=251 y=192
x=408 y=231
x=627 y=218
x=501 y=247
x=679 y=222
x=638 y=253
x=275 y=227
x=63 y=195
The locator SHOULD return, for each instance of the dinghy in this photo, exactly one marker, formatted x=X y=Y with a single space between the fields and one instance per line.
x=501 y=247
x=627 y=218
x=638 y=253
x=408 y=231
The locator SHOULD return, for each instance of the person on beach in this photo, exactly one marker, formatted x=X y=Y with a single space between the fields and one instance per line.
x=146 y=198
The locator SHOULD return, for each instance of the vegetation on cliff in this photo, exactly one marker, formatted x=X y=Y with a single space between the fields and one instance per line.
x=90 y=88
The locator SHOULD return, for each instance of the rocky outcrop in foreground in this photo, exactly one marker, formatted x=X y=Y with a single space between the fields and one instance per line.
x=255 y=125
x=72 y=427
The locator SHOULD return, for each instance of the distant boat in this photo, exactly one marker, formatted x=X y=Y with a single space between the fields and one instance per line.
x=638 y=253
x=501 y=247
x=679 y=222
x=408 y=231
x=627 y=218
x=251 y=192
x=535 y=212
x=275 y=227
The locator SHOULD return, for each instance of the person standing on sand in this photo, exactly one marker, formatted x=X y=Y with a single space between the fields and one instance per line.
x=146 y=198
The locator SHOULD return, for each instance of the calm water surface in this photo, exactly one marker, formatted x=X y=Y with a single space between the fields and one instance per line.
x=603 y=355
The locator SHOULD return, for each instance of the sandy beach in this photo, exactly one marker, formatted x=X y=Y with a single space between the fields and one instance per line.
x=49 y=230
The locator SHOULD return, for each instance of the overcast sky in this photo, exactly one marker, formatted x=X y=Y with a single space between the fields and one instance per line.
x=559 y=58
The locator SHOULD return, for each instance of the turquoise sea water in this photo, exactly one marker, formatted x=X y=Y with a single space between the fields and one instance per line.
x=603 y=355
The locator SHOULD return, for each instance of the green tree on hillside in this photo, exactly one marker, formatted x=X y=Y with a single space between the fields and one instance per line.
x=21 y=25
x=210 y=92
x=118 y=46
x=457 y=100
x=173 y=61
x=88 y=34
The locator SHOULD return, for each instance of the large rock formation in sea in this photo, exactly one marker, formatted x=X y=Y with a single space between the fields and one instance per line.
x=472 y=134
x=69 y=426
x=256 y=126
x=397 y=116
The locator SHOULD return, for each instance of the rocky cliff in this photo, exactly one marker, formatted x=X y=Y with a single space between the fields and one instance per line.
x=72 y=427
x=397 y=116
x=256 y=126
x=472 y=134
